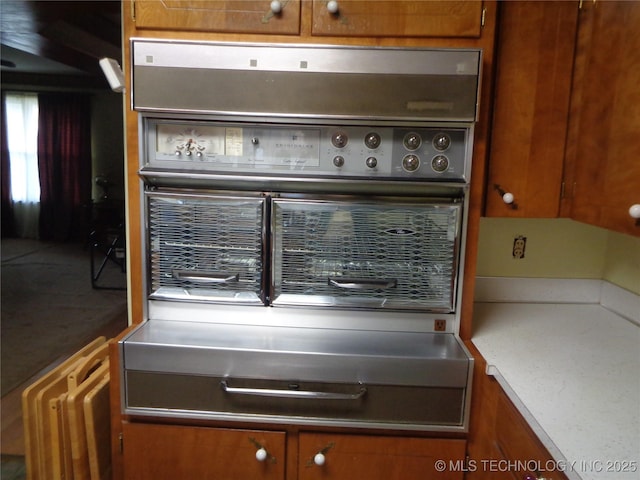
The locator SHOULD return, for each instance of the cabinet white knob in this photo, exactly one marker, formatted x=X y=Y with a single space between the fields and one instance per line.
x=319 y=459
x=634 y=210
x=261 y=455
x=276 y=6
x=332 y=6
x=507 y=198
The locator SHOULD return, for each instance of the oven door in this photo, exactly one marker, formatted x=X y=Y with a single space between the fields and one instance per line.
x=370 y=253
x=206 y=247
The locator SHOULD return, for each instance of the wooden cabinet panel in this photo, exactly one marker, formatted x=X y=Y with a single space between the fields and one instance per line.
x=242 y=16
x=531 y=107
x=399 y=18
x=153 y=451
x=500 y=439
x=390 y=458
x=520 y=446
x=604 y=147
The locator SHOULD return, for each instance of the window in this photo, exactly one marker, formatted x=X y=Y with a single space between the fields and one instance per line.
x=22 y=140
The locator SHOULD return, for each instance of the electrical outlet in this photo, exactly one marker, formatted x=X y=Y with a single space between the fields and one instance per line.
x=519 y=244
x=440 y=325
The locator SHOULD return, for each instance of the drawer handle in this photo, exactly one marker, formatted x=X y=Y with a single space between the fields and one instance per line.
x=204 y=277
x=320 y=458
x=507 y=197
x=261 y=452
x=362 y=283
x=304 y=394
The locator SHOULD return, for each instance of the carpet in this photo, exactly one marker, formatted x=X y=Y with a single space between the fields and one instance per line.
x=48 y=306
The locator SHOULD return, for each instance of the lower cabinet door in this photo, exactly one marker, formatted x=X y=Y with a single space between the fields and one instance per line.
x=156 y=452
x=350 y=457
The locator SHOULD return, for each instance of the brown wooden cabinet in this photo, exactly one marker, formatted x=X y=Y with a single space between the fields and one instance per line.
x=566 y=113
x=154 y=451
x=531 y=107
x=348 y=457
x=398 y=18
x=502 y=445
x=519 y=447
x=603 y=154
x=245 y=16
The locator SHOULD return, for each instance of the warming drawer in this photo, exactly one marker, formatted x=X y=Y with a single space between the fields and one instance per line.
x=311 y=376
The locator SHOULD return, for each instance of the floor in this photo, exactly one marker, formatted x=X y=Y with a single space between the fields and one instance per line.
x=62 y=276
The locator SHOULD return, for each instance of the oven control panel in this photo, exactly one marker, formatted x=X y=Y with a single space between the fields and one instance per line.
x=421 y=153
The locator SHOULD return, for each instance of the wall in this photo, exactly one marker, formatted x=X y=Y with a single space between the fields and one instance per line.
x=558 y=248
x=107 y=142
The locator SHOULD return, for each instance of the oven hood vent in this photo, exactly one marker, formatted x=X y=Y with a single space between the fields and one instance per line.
x=306 y=81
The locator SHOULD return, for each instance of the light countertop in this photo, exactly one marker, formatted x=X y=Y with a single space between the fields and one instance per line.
x=573 y=370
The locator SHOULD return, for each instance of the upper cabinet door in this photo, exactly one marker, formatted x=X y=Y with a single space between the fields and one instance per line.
x=603 y=150
x=398 y=18
x=531 y=107
x=240 y=16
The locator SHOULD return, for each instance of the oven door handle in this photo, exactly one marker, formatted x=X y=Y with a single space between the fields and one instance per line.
x=305 y=394
x=362 y=283
x=204 y=277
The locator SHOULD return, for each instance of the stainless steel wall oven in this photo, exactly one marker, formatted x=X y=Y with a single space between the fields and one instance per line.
x=305 y=212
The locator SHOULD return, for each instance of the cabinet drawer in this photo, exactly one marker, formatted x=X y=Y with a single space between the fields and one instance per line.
x=399 y=18
x=390 y=458
x=153 y=451
x=242 y=16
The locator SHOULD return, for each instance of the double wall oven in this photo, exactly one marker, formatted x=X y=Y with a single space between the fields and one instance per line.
x=304 y=212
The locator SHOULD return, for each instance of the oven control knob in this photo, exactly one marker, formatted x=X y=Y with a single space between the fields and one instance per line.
x=372 y=162
x=178 y=153
x=372 y=140
x=188 y=153
x=319 y=459
x=261 y=455
x=339 y=140
x=255 y=141
x=338 y=161
x=441 y=142
x=412 y=141
x=440 y=163
x=410 y=163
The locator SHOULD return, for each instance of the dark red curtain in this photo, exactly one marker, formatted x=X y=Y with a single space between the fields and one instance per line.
x=64 y=163
x=8 y=227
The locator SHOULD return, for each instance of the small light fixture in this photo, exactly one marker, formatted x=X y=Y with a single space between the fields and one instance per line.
x=113 y=73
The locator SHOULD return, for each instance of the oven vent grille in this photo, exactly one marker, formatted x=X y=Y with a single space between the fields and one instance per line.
x=200 y=249
x=367 y=255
